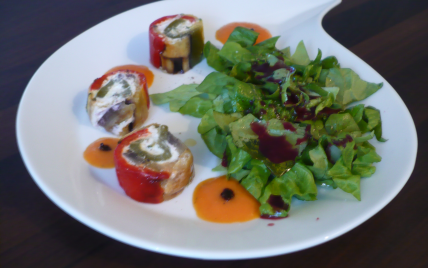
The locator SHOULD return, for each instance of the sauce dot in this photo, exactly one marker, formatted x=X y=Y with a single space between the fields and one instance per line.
x=223 y=33
x=190 y=142
x=137 y=68
x=100 y=152
x=210 y=205
x=104 y=147
x=227 y=194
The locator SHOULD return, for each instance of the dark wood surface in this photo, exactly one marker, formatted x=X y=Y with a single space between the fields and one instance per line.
x=390 y=35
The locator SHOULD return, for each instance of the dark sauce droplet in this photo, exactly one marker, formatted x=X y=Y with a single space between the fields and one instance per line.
x=276 y=148
x=303 y=114
x=224 y=162
x=271 y=217
x=306 y=137
x=289 y=126
x=104 y=147
x=277 y=203
x=343 y=142
x=227 y=194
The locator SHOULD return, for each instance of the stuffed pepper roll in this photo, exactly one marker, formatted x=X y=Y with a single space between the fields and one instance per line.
x=118 y=101
x=152 y=165
x=176 y=42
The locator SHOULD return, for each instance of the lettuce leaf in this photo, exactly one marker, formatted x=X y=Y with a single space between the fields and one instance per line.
x=207 y=122
x=300 y=56
x=298 y=182
x=256 y=180
x=176 y=97
x=196 y=106
x=238 y=157
x=344 y=179
x=352 y=87
x=214 y=60
x=241 y=130
x=215 y=141
x=321 y=165
x=243 y=36
x=235 y=53
x=338 y=123
x=223 y=120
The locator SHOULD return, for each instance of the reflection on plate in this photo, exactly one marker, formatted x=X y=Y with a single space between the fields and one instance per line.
x=53 y=130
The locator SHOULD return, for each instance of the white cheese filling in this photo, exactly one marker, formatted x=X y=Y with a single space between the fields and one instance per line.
x=160 y=27
x=150 y=145
x=181 y=28
x=115 y=95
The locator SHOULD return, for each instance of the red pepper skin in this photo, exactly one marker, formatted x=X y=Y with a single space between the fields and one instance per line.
x=140 y=183
x=98 y=82
x=156 y=40
x=143 y=82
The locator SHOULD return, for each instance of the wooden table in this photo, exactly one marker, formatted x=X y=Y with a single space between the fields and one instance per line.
x=390 y=35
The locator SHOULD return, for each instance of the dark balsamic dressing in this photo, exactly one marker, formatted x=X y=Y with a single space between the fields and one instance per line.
x=288 y=126
x=268 y=70
x=276 y=148
x=276 y=202
x=224 y=159
x=306 y=137
x=343 y=142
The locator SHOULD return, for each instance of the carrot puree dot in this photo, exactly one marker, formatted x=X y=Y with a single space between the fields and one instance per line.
x=137 y=68
x=211 y=205
x=100 y=153
x=223 y=33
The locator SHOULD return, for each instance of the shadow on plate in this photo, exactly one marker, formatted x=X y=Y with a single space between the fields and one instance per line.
x=138 y=48
x=79 y=108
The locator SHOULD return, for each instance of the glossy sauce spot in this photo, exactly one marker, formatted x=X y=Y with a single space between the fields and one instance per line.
x=211 y=205
x=100 y=153
x=276 y=148
x=223 y=33
x=137 y=68
x=190 y=142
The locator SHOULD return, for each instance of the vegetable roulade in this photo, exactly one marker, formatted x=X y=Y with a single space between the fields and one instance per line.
x=152 y=165
x=176 y=42
x=118 y=101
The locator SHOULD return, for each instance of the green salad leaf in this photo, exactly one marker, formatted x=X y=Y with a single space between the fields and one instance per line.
x=281 y=122
x=352 y=87
x=176 y=98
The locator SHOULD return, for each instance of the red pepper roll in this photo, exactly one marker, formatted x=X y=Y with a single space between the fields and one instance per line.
x=176 y=42
x=118 y=101
x=152 y=165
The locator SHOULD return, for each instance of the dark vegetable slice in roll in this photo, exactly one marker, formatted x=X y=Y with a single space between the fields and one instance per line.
x=118 y=101
x=152 y=165
x=176 y=42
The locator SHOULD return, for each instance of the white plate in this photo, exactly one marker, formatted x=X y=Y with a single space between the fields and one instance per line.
x=53 y=130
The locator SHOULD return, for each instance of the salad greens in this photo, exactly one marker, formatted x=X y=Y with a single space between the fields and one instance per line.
x=280 y=122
